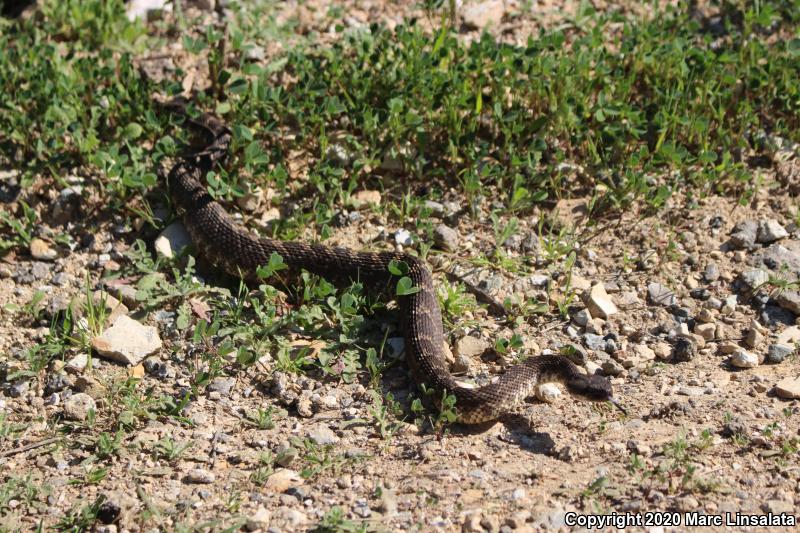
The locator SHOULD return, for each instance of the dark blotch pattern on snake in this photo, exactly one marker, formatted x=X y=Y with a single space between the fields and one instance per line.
x=239 y=252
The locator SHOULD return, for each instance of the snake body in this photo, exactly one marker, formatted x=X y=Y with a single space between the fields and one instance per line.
x=237 y=251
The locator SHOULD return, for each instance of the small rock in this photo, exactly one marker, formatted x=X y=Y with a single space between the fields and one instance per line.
x=661 y=295
x=754 y=338
x=686 y=503
x=754 y=278
x=41 y=250
x=547 y=392
x=19 y=388
x=790 y=335
x=684 y=349
x=789 y=300
x=470 y=346
x=258 y=520
x=711 y=273
x=599 y=302
x=741 y=358
x=642 y=353
x=403 y=237
x=788 y=388
x=612 y=368
x=770 y=231
x=706 y=331
x=445 y=237
x=594 y=342
x=282 y=479
x=778 y=507
x=365 y=198
x=482 y=15
x=222 y=385
x=78 y=406
x=127 y=341
x=172 y=240
x=744 y=234
x=728 y=347
x=77 y=364
x=662 y=350
x=778 y=352
x=322 y=435
x=200 y=476
x=582 y=317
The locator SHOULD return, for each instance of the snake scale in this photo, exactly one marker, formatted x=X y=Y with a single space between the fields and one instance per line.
x=231 y=247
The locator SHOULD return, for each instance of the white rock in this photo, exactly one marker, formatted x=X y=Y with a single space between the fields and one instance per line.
x=403 y=237
x=790 y=335
x=200 y=476
x=741 y=358
x=78 y=363
x=547 y=392
x=484 y=14
x=172 y=240
x=599 y=302
x=770 y=231
x=127 y=341
x=146 y=8
x=788 y=388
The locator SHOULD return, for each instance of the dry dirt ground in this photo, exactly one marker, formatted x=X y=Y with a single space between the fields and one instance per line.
x=701 y=434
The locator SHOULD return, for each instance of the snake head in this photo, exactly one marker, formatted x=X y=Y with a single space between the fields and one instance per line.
x=593 y=388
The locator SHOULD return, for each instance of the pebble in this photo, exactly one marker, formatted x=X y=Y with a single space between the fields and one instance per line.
x=790 y=335
x=55 y=383
x=222 y=385
x=582 y=317
x=127 y=341
x=446 y=237
x=754 y=278
x=403 y=237
x=754 y=337
x=789 y=300
x=77 y=406
x=599 y=302
x=770 y=231
x=594 y=342
x=41 y=250
x=478 y=16
x=19 y=388
x=788 y=388
x=258 y=520
x=741 y=358
x=469 y=346
x=711 y=273
x=684 y=349
x=365 y=198
x=776 y=353
x=387 y=503
x=200 y=476
x=547 y=392
x=282 y=479
x=744 y=234
x=322 y=435
x=706 y=330
x=612 y=368
x=172 y=240
x=661 y=295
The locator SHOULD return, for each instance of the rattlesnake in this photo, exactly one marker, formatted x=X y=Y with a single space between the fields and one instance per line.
x=240 y=253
